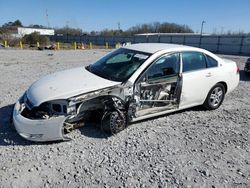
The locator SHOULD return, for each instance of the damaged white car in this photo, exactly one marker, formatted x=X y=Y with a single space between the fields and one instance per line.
x=129 y=84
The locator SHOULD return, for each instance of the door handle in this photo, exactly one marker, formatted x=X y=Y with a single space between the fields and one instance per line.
x=209 y=74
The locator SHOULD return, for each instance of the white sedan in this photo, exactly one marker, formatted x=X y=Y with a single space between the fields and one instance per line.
x=129 y=84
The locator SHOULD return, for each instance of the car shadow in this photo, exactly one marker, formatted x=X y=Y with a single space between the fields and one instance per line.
x=93 y=130
x=8 y=134
x=196 y=108
x=244 y=76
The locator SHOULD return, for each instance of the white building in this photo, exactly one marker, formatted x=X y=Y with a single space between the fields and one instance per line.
x=21 y=31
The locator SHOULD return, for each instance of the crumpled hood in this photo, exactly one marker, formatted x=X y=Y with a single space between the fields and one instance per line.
x=65 y=84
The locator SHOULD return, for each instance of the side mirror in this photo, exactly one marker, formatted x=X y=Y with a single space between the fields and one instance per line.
x=145 y=78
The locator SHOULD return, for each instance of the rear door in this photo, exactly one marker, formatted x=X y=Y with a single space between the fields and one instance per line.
x=199 y=76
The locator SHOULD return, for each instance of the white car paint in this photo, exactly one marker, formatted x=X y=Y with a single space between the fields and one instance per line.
x=196 y=84
x=79 y=84
x=38 y=130
x=65 y=84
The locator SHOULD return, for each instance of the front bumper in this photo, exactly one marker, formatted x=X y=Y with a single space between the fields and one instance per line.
x=41 y=130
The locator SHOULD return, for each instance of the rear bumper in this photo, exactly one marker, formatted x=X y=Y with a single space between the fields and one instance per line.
x=41 y=130
x=233 y=83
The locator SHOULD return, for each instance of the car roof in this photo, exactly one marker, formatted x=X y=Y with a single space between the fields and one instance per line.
x=155 y=47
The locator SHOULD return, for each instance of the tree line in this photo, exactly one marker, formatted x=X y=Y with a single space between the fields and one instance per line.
x=155 y=27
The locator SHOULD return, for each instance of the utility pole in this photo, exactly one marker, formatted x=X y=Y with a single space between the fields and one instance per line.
x=119 y=26
x=202 y=23
x=222 y=31
x=47 y=18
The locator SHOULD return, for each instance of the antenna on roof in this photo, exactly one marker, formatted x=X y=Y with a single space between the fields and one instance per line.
x=47 y=18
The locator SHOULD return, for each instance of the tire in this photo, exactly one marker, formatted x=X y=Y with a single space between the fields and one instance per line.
x=114 y=122
x=215 y=97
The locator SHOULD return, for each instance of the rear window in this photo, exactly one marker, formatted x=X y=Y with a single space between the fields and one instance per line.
x=211 y=62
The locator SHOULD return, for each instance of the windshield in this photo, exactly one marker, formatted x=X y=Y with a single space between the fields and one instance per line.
x=118 y=65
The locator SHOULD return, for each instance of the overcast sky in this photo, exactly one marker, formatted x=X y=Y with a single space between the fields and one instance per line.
x=220 y=15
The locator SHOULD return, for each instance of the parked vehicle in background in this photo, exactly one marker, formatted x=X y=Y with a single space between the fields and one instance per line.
x=129 y=84
x=247 y=66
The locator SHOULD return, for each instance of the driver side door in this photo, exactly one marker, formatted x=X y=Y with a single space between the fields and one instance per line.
x=159 y=87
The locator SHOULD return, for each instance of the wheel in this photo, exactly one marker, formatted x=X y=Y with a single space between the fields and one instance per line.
x=114 y=122
x=215 y=97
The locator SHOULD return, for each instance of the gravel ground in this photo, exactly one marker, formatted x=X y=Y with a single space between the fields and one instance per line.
x=192 y=148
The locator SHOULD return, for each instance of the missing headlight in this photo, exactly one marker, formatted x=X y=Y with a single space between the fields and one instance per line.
x=57 y=108
x=46 y=110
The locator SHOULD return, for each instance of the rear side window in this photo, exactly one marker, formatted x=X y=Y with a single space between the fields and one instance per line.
x=193 y=61
x=211 y=62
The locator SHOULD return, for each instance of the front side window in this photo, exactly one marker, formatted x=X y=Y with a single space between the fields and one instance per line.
x=165 y=66
x=193 y=61
x=119 y=65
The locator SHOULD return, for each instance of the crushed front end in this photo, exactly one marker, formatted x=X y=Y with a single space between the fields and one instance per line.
x=52 y=120
x=43 y=123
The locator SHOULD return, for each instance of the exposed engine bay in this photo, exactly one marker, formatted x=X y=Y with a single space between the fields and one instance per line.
x=93 y=107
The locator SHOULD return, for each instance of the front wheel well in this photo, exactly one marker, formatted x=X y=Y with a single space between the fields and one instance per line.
x=224 y=84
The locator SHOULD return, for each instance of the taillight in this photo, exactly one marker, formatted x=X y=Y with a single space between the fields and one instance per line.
x=238 y=69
